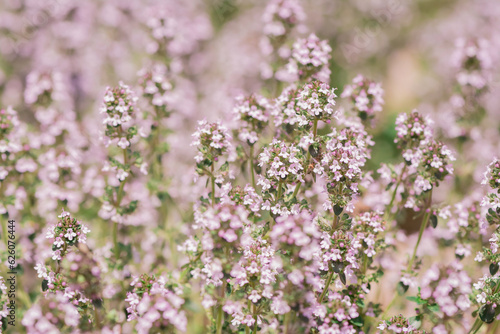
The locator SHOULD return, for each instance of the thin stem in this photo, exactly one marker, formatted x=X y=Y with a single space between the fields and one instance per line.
x=328 y=281
x=286 y=321
x=219 y=319
x=4 y=224
x=334 y=224
x=389 y=207
x=296 y=190
x=308 y=159
x=476 y=326
x=252 y=169
x=115 y=240
x=493 y=328
x=119 y=198
x=425 y=221
x=280 y=192
x=220 y=314
x=4 y=233
x=213 y=183
x=422 y=229
x=389 y=307
x=97 y=318
x=255 y=319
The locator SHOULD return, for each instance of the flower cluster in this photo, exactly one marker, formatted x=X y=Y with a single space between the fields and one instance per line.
x=156 y=305
x=66 y=233
x=212 y=141
x=156 y=87
x=466 y=223
x=366 y=96
x=448 y=288
x=309 y=59
x=340 y=161
x=316 y=101
x=8 y=121
x=281 y=16
x=65 y=281
x=487 y=298
x=397 y=324
x=119 y=107
x=284 y=166
x=252 y=116
x=413 y=130
x=473 y=59
x=427 y=161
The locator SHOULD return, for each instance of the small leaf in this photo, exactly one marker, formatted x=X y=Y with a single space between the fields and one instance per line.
x=97 y=302
x=401 y=288
x=434 y=308
x=357 y=322
x=487 y=313
x=493 y=268
x=434 y=221
x=314 y=151
x=417 y=300
x=416 y=321
x=337 y=210
x=337 y=267
x=342 y=278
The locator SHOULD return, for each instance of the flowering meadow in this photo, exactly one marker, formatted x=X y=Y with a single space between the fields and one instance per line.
x=250 y=166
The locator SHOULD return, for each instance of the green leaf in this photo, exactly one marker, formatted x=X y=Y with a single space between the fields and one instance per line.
x=416 y=321
x=487 y=313
x=45 y=285
x=493 y=268
x=401 y=288
x=416 y=299
x=434 y=308
x=342 y=278
x=434 y=221
x=357 y=322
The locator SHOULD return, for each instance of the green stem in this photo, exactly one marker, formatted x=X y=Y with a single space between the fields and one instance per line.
x=97 y=318
x=327 y=285
x=115 y=240
x=476 y=326
x=219 y=319
x=119 y=198
x=422 y=229
x=334 y=224
x=4 y=224
x=278 y=197
x=296 y=190
x=389 y=307
x=220 y=314
x=389 y=207
x=213 y=183
x=255 y=319
x=308 y=159
x=4 y=233
x=252 y=169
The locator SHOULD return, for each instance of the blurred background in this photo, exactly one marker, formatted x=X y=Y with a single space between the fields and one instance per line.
x=406 y=45
x=214 y=50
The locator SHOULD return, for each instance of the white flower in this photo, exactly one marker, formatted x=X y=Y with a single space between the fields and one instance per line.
x=70 y=234
x=481 y=298
x=123 y=143
x=254 y=296
x=121 y=174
